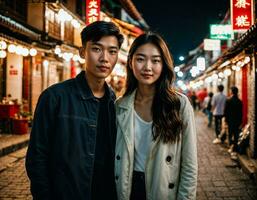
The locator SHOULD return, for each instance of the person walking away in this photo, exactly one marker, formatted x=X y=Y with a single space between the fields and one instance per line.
x=194 y=100
x=71 y=148
x=208 y=108
x=201 y=96
x=218 y=105
x=156 y=155
x=233 y=116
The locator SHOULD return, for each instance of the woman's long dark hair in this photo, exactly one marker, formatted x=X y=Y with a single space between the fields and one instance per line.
x=167 y=122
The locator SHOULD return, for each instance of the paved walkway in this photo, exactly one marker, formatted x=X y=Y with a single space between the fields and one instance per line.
x=219 y=177
x=14 y=183
x=10 y=142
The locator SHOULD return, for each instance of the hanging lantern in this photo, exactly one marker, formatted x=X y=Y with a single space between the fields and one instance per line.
x=3 y=45
x=32 y=52
x=12 y=48
x=2 y=54
x=227 y=72
x=75 y=58
x=25 y=52
x=57 y=50
x=19 y=50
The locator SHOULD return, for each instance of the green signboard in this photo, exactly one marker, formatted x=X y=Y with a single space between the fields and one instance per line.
x=221 y=32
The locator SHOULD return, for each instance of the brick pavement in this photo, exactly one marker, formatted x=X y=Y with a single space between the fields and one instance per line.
x=14 y=183
x=219 y=177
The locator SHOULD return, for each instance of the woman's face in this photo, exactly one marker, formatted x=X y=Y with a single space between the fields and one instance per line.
x=147 y=64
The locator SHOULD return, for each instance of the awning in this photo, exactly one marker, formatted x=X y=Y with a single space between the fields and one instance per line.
x=17 y=27
x=133 y=12
x=133 y=30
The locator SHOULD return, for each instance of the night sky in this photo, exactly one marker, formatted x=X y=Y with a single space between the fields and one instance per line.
x=183 y=24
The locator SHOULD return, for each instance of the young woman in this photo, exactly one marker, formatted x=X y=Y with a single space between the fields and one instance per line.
x=156 y=155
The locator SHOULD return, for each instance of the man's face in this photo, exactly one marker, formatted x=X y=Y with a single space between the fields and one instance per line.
x=101 y=56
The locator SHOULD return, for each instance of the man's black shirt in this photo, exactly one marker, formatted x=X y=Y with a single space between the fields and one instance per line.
x=103 y=185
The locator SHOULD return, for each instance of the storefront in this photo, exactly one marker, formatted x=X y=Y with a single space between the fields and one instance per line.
x=237 y=67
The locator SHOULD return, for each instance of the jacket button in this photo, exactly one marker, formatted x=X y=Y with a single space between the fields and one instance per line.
x=171 y=185
x=116 y=177
x=168 y=158
x=118 y=157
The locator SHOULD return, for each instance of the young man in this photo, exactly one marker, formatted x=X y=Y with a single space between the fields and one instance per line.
x=218 y=105
x=71 y=149
x=233 y=116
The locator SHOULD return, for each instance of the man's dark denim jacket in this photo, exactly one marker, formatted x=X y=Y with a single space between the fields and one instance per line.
x=60 y=156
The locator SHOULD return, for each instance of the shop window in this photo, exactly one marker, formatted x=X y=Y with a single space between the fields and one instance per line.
x=16 y=8
x=52 y=24
x=68 y=32
x=79 y=7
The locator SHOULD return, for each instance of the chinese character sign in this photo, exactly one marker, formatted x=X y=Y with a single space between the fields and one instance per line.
x=241 y=14
x=92 y=11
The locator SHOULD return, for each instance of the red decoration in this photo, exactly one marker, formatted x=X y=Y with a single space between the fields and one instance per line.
x=8 y=110
x=244 y=94
x=72 y=69
x=20 y=126
x=241 y=14
x=92 y=11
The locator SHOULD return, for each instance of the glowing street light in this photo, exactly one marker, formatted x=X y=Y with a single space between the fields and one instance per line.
x=180 y=74
x=176 y=69
x=181 y=58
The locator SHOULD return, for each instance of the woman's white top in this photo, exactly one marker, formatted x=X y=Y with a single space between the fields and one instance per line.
x=143 y=138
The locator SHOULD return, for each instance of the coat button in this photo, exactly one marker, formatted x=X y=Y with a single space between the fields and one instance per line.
x=168 y=158
x=116 y=177
x=118 y=157
x=171 y=185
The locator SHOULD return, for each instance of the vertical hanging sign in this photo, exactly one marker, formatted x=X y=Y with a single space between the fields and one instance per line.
x=241 y=14
x=92 y=11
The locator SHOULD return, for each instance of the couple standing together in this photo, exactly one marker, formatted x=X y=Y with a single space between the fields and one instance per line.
x=84 y=145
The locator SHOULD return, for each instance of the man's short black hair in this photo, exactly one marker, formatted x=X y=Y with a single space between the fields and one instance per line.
x=234 y=90
x=210 y=94
x=95 y=31
x=220 y=88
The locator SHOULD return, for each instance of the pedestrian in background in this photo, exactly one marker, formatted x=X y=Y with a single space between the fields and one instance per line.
x=194 y=100
x=218 y=105
x=233 y=116
x=156 y=155
x=71 y=148
x=201 y=94
x=208 y=107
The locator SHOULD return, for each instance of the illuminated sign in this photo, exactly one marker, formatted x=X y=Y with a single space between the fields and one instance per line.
x=212 y=45
x=92 y=11
x=221 y=32
x=241 y=14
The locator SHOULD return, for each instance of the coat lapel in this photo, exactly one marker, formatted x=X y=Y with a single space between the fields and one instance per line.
x=125 y=119
x=125 y=122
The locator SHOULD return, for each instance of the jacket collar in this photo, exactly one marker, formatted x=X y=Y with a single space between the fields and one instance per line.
x=86 y=92
x=124 y=116
x=127 y=102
